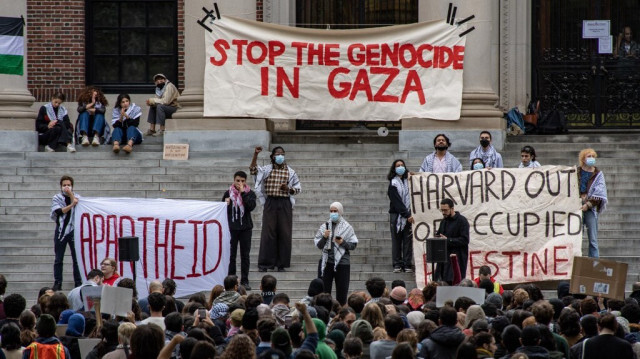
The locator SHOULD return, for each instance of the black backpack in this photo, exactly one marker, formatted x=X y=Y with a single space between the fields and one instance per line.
x=552 y=122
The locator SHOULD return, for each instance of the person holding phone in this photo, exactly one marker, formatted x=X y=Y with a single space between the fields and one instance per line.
x=63 y=207
x=336 y=239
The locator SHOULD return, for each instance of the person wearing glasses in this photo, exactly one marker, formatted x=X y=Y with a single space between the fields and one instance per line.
x=454 y=227
x=108 y=268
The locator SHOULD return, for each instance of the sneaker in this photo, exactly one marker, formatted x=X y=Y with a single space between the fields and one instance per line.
x=408 y=270
x=160 y=133
x=48 y=149
x=85 y=140
x=127 y=149
x=96 y=141
x=150 y=133
x=397 y=270
x=116 y=148
x=70 y=148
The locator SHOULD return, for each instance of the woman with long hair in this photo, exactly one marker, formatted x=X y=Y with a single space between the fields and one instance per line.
x=125 y=120
x=400 y=218
x=92 y=106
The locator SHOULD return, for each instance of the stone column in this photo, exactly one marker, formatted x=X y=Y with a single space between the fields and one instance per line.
x=515 y=54
x=17 y=119
x=189 y=124
x=481 y=73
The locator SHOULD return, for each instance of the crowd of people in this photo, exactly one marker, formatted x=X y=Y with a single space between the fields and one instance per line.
x=377 y=322
x=55 y=128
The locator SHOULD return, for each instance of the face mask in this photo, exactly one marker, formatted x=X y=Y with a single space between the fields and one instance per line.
x=590 y=161
x=279 y=159
x=441 y=148
x=400 y=170
x=478 y=166
x=484 y=143
x=334 y=216
x=160 y=85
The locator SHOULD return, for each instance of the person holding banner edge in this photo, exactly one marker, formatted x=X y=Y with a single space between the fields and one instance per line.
x=441 y=161
x=454 y=227
x=400 y=218
x=593 y=192
x=241 y=201
x=62 y=212
x=275 y=184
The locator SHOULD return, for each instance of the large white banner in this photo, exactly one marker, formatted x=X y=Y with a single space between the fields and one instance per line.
x=253 y=69
x=525 y=224
x=185 y=240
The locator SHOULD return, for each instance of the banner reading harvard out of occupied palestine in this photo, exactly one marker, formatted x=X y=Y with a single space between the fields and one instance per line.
x=525 y=224
x=253 y=69
x=185 y=240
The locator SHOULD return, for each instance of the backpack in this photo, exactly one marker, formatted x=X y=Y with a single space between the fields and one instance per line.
x=515 y=120
x=552 y=122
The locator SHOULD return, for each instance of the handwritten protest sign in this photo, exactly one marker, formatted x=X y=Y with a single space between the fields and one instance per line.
x=255 y=69
x=185 y=240
x=525 y=224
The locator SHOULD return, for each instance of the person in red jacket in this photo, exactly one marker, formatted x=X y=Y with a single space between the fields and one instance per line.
x=485 y=273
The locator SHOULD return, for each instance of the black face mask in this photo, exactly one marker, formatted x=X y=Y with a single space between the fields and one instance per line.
x=160 y=85
x=484 y=143
x=441 y=148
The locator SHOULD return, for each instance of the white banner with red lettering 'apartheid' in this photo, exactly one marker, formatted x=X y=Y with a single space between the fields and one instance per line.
x=185 y=240
x=525 y=224
x=253 y=69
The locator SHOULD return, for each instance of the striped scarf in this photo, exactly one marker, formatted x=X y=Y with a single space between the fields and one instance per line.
x=488 y=156
x=133 y=112
x=453 y=165
x=237 y=209
x=51 y=112
x=402 y=187
x=598 y=190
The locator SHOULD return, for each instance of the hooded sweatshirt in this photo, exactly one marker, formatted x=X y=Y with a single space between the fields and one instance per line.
x=443 y=343
x=322 y=350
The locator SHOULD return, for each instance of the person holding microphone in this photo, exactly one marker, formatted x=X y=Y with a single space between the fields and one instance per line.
x=336 y=239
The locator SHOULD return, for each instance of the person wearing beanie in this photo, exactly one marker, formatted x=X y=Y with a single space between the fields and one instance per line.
x=398 y=295
x=46 y=344
x=495 y=299
x=162 y=105
x=64 y=316
x=362 y=329
x=75 y=331
x=280 y=340
x=338 y=337
x=315 y=287
x=336 y=239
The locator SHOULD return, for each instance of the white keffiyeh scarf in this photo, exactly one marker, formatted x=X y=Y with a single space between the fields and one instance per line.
x=402 y=186
x=51 y=112
x=344 y=230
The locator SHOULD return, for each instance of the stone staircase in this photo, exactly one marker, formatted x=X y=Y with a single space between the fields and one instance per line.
x=348 y=168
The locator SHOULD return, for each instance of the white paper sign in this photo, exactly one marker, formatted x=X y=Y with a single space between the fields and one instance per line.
x=116 y=300
x=86 y=345
x=605 y=45
x=90 y=294
x=255 y=69
x=444 y=293
x=595 y=29
x=185 y=240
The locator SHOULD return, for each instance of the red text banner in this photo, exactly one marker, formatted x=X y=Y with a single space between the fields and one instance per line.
x=254 y=69
x=185 y=240
x=525 y=224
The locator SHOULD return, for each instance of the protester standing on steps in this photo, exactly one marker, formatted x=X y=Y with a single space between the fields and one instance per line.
x=441 y=161
x=400 y=218
x=336 y=239
x=593 y=192
x=63 y=207
x=241 y=201
x=486 y=151
x=454 y=227
x=276 y=185
x=163 y=105
x=125 y=120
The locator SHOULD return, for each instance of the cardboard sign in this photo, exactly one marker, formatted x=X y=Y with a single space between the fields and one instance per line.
x=444 y=294
x=175 y=151
x=594 y=276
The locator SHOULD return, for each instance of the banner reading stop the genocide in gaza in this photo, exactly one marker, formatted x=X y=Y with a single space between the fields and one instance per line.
x=253 y=69
x=525 y=224
x=185 y=240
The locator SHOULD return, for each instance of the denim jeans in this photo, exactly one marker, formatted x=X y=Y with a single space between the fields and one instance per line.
x=60 y=245
x=84 y=120
x=590 y=220
x=132 y=134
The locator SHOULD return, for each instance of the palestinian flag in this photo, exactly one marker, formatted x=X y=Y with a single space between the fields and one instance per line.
x=11 y=45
